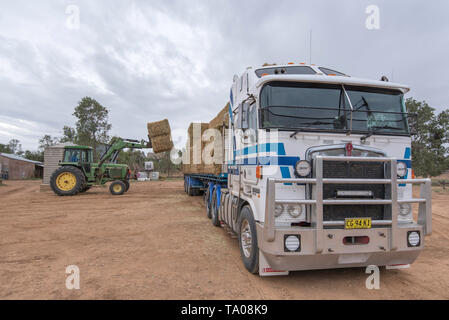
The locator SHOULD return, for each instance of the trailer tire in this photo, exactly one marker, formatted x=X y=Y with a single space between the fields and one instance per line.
x=249 y=250
x=190 y=191
x=214 y=209
x=207 y=202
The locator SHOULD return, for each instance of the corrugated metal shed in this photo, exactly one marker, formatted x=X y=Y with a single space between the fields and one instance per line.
x=52 y=156
x=16 y=157
x=14 y=167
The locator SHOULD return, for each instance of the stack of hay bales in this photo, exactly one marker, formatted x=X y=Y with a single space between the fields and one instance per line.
x=160 y=135
x=211 y=148
x=194 y=147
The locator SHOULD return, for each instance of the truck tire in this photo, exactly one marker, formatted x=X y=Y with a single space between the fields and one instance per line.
x=249 y=250
x=207 y=202
x=126 y=182
x=214 y=209
x=117 y=188
x=190 y=191
x=67 y=181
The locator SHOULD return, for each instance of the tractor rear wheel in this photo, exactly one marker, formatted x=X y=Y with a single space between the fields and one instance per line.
x=117 y=188
x=67 y=181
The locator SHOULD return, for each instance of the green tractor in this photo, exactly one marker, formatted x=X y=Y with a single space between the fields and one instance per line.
x=78 y=173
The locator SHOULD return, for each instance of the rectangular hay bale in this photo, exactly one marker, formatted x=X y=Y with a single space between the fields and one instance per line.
x=162 y=143
x=159 y=128
x=222 y=119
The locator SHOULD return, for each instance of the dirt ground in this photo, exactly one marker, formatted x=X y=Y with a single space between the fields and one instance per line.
x=155 y=242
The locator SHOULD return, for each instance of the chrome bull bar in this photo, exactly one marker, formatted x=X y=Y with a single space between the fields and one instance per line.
x=425 y=199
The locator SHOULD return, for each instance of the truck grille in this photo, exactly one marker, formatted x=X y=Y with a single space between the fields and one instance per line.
x=354 y=170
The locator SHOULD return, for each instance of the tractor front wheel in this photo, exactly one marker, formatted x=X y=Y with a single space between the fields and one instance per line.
x=67 y=181
x=117 y=188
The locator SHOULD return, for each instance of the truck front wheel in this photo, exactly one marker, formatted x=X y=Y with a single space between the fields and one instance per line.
x=249 y=250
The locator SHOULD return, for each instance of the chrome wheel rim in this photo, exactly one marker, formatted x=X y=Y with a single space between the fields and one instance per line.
x=246 y=238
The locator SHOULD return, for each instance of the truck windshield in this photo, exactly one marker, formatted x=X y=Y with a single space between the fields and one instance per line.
x=325 y=107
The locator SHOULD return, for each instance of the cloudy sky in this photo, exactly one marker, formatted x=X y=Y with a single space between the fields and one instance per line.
x=148 y=60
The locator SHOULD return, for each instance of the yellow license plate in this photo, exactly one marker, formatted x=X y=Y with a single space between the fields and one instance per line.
x=358 y=223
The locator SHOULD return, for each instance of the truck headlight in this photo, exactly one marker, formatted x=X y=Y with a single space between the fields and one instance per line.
x=278 y=209
x=413 y=238
x=294 y=211
x=292 y=243
x=303 y=168
x=405 y=212
x=402 y=169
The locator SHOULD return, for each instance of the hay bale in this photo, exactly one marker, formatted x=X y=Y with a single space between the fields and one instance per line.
x=222 y=119
x=158 y=128
x=212 y=169
x=162 y=143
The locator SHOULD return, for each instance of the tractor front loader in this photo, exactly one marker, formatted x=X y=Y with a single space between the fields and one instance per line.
x=77 y=171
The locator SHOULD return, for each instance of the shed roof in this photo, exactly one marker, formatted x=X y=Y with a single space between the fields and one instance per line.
x=16 y=157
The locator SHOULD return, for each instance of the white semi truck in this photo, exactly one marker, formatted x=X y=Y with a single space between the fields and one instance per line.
x=317 y=172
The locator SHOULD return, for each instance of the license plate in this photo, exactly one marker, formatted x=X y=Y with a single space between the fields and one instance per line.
x=358 y=223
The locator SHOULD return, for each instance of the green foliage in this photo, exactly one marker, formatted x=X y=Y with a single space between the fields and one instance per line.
x=34 y=155
x=47 y=141
x=135 y=159
x=92 y=126
x=429 y=144
x=15 y=146
x=68 y=135
x=4 y=148
x=163 y=163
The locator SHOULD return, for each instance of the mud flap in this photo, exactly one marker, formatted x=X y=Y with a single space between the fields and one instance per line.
x=265 y=269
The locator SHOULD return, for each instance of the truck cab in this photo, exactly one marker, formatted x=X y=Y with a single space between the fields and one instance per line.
x=321 y=164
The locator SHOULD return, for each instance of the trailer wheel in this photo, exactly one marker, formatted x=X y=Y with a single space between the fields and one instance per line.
x=190 y=191
x=207 y=202
x=249 y=250
x=117 y=188
x=214 y=209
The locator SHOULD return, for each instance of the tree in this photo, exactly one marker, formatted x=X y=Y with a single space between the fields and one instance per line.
x=68 y=135
x=47 y=141
x=135 y=159
x=429 y=149
x=15 y=146
x=34 y=155
x=92 y=126
x=4 y=148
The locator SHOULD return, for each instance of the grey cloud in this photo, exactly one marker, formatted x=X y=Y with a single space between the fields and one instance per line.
x=147 y=60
